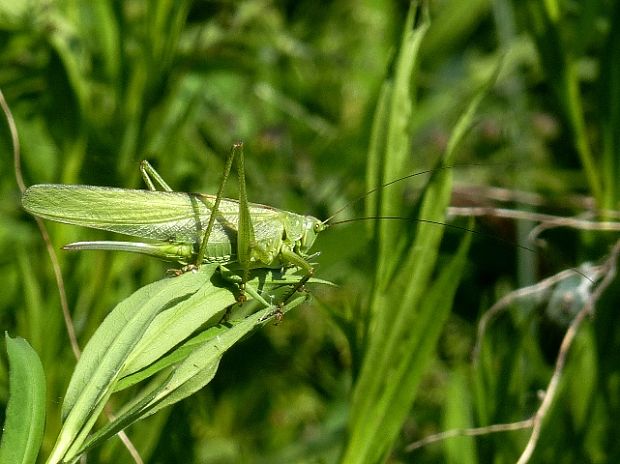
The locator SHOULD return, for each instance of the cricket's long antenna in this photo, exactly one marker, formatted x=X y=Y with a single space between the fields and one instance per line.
x=452 y=226
x=429 y=221
x=408 y=176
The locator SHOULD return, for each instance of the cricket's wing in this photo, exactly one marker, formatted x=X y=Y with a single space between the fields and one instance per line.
x=156 y=215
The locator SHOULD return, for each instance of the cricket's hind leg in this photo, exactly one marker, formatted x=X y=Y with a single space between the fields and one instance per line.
x=152 y=177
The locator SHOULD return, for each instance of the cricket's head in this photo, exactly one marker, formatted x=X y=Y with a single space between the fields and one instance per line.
x=312 y=228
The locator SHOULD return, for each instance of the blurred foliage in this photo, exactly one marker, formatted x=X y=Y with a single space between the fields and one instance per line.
x=97 y=86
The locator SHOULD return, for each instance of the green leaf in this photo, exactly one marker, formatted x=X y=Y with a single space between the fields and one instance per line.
x=562 y=71
x=25 y=412
x=151 y=335
x=188 y=376
x=458 y=415
x=104 y=357
x=408 y=310
x=396 y=144
x=176 y=324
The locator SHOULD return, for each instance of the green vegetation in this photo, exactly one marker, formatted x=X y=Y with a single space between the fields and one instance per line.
x=331 y=100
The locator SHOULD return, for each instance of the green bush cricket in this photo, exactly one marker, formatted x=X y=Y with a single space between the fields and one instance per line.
x=181 y=227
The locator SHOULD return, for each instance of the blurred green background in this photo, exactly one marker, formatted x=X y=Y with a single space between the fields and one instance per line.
x=95 y=87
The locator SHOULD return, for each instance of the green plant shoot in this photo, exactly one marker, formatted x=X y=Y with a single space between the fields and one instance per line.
x=189 y=228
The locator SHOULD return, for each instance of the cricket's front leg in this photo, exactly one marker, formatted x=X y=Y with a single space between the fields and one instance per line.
x=288 y=256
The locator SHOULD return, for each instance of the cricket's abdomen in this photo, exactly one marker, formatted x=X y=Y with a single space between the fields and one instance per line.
x=219 y=253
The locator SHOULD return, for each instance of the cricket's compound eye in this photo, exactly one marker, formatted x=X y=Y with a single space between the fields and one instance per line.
x=312 y=227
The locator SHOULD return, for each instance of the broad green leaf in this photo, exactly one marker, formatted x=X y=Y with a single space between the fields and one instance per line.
x=151 y=335
x=188 y=376
x=176 y=324
x=105 y=355
x=25 y=412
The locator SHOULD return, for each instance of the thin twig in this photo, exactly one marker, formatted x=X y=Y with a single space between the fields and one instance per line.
x=60 y=284
x=587 y=309
x=523 y=197
x=508 y=299
x=495 y=428
x=124 y=438
x=42 y=229
x=19 y=178
x=607 y=271
x=548 y=219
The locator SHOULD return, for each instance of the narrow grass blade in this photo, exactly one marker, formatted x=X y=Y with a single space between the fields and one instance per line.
x=609 y=89
x=562 y=72
x=396 y=148
x=408 y=309
x=458 y=415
